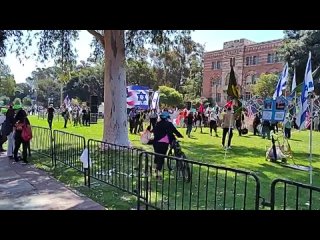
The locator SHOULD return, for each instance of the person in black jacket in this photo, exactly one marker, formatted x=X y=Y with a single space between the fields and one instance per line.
x=164 y=133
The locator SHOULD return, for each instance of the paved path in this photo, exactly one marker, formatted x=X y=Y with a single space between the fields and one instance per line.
x=24 y=187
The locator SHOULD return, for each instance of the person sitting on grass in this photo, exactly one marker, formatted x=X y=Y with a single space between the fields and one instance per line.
x=146 y=136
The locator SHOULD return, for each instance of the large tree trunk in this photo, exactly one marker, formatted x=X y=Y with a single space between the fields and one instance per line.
x=115 y=94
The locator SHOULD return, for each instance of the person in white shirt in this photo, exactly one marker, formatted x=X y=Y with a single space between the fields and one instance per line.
x=213 y=118
x=146 y=136
x=3 y=137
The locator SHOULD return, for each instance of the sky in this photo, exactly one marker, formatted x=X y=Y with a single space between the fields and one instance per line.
x=213 y=40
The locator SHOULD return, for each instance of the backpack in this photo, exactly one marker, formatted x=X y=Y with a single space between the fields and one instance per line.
x=26 y=133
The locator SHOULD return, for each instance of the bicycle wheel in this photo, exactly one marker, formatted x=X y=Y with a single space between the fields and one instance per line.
x=185 y=169
x=171 y=163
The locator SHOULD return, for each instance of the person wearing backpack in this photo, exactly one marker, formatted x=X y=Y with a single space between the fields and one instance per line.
x=22 y=136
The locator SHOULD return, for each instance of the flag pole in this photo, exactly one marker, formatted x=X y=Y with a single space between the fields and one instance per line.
x=310 y=139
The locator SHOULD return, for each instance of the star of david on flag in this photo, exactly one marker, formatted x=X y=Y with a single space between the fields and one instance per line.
x=138 y=96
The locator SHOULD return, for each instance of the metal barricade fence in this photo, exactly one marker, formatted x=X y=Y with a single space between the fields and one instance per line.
x=302 y=196
x=113 y=164
x=208 y=187
x=42 y=141
x=68 y=149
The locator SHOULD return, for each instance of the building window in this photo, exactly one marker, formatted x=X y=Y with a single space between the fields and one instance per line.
x=273 y=57
x=218 y=97
x=218 y=65
x=247 y=96
x=254 y=60
x=247 y=61
x=213 y=65
x=278 y=57
x=232 y=61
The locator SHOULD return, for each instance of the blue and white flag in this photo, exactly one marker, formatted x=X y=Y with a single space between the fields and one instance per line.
x=294 y=83
x=303 y=100
x=155 y=100
x=282 y=83
x=308 y=75
x=137 y=96
x=67 y=101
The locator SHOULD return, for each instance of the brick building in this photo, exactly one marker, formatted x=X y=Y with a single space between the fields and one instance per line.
x=249 y=59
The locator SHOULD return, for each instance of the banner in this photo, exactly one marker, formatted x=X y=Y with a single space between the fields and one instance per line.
x=274 y=110
x=138 y=97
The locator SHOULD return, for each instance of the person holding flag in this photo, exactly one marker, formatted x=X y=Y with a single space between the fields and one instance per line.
x=228 y=118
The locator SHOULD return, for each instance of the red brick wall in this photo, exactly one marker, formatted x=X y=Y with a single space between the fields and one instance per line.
x=239 y=51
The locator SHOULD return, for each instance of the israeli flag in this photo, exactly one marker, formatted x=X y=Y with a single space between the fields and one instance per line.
x=308 y=75
x=282 y=83
x=303 y=100
x=138 y=96
x=155 y=100
x=294 y=83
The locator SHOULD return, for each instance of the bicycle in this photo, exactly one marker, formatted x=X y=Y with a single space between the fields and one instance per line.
x=181 y=166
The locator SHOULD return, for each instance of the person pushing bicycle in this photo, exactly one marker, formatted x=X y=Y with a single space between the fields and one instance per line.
x=164 y=134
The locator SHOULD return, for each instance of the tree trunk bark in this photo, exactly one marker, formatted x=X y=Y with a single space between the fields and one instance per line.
x=115 y=94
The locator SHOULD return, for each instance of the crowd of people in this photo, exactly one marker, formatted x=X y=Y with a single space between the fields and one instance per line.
x=16 y=129
x=79 y=116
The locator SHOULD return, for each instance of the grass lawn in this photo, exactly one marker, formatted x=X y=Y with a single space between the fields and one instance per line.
x=248 y=153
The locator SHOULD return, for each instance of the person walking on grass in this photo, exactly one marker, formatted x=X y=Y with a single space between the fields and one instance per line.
x=213 y=118
x=50 y=115
x=189 y=122
x=227 y=126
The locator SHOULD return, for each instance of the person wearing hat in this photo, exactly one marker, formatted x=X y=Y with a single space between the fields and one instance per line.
x=164 y=133
x=50 y=111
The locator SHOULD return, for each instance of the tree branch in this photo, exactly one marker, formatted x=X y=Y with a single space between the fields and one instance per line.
x=97 y=36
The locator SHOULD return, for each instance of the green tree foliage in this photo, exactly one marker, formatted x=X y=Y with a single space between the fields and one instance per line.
x=141 y=73
x=57 y=44
x=7 y=82
x=5 y=100
x=86 y=80
x=27 y=101
x=296 y=49
x=266 y=85
x=48 y=88
x=23 y=90
x=169 y=97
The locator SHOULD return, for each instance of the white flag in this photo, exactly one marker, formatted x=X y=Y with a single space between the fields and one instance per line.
x=84 y=158
x=155 y=100
x=308 y=75
x=294 y=83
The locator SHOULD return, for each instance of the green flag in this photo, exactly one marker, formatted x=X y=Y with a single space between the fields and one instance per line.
x=232 y=86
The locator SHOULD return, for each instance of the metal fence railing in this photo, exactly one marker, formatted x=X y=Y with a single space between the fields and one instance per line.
x=208 y=187
x=42 y=141
x=199 y=186
x=113 y=164
x=68 y=148
x=290 y=195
